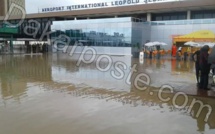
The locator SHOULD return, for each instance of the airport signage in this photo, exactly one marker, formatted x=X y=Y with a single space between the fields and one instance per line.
x=8 y=29
x=102 y=5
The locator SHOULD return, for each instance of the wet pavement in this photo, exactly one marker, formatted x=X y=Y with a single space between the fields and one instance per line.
x=52 y=94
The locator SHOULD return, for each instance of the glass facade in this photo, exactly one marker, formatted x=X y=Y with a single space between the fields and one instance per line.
x=169 y=16
x=207 y=14
x=126 y=32
x=114 y=32
x=201 y=14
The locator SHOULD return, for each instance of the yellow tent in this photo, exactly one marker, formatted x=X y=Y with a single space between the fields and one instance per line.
x=199 y=36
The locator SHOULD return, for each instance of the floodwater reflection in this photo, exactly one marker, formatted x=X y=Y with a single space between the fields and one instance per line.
x=50 y=94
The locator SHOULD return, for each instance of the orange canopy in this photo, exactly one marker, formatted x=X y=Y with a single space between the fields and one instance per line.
x=198 y=36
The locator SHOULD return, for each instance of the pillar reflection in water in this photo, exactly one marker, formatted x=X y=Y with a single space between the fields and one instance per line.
x=16 y=72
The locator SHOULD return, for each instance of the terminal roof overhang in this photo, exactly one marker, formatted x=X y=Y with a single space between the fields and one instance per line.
x=126 y=10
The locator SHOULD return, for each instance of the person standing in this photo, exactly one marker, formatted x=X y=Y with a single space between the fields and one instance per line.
x=204 y=67
x=211 y=60
x=150 y=53
x=143 y=50
x=174 y=50
x=197 y=55
x=158 y=47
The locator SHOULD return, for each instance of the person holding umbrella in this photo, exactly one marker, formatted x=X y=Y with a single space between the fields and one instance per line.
x=197 y=55
x=204 y=67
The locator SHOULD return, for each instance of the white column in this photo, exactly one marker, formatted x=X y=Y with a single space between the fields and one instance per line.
x=49 y=41
x=149 y=17
x=188 y=14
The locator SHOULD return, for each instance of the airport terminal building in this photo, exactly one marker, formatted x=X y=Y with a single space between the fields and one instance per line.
x=122 y=27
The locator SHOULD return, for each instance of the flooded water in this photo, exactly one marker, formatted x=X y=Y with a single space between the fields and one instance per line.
x=54 y=94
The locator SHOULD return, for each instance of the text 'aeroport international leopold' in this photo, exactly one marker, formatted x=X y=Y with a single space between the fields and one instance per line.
x=103 y=4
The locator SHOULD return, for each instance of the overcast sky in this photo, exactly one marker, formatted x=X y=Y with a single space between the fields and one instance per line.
x=32 y=6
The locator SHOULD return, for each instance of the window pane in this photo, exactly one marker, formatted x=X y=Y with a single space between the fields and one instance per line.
x=166 y=17
x=182 y=17
x=158 y=18
x=174 y=17
x=213 y=15
x=207 y=15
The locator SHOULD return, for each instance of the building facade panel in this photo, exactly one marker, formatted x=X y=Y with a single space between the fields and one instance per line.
x=18 y=3
x=14 y=5
x=2 y=8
